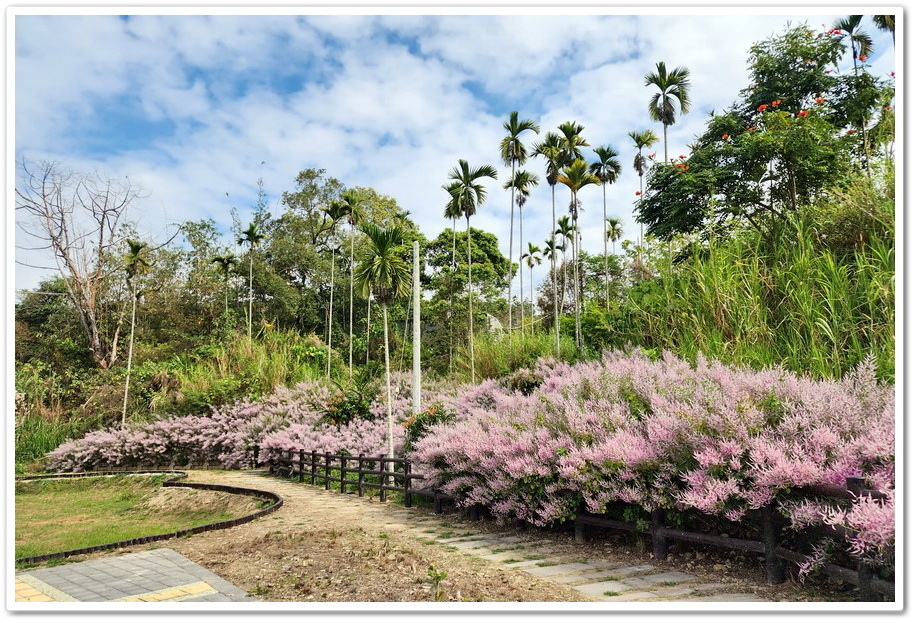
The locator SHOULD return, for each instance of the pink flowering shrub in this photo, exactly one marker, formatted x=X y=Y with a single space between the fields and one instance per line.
x=665 y=434
x=287 y=418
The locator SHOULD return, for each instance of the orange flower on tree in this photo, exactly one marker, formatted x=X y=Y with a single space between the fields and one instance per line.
x=638 y=193
x=819 y=100
x=753 y=128
x=863 y=58
x=761 y=108
x=850 y=131
x=803 y=113
x=682 y=156
x=725 y=137
x=775 y=103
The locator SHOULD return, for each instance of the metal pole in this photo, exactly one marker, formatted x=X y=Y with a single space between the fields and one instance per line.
x=416 y=327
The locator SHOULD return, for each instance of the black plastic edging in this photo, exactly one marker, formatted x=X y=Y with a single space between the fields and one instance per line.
x=172 y=482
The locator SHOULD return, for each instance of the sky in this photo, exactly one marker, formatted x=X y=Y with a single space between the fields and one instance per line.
x=196 y=108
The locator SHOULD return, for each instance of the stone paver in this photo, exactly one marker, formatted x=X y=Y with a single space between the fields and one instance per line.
x=546 y=571
x=157 y=575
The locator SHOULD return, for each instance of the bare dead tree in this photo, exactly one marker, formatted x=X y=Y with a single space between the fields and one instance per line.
x=77 y=218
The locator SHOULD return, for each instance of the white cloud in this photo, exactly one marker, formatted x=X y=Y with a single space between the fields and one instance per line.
x=347 y=94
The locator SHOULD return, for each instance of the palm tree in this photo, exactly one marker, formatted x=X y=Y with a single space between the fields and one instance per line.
x=644 y=139
x=252 y=237
x=674 y=86
x=452 y=211
x=469 y=194
x=607 y=170
x=614 y=231
x=551 y=149
x=335 y=211
x=860 y=42
x=384 y=274
x=354 y=205
x=134 y=264
x=521 y=184
x=571 y=141
x=513 y=153
x=532 y=258
x=225 y=264
x=566 y=231
x=886 y=23
x=577 y=176
x=551 y=248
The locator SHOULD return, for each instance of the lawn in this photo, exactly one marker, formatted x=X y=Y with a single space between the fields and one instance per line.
x=61 y=515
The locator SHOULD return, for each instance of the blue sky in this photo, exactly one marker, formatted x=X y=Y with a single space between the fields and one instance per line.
x=190 y=106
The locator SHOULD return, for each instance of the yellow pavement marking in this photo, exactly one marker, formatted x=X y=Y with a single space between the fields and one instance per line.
x=176 y=593
x=31 y=589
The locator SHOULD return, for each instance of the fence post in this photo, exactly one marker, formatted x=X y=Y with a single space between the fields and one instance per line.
x=437 y=497
x=343 y=474
x=359 y=486
x=272 y=461
x=578 y=524
x=475 y=512
x=408 y=498
x=314 y=465
x=301 y=465
x=327 y=471
x=382 y=495
x=775 y=566
x=867 y=590
x=659 y=542
x=289 y=457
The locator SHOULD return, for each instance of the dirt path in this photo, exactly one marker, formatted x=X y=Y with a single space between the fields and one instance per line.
x=331 y=547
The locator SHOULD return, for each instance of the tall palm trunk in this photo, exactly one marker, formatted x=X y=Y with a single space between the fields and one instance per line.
x=553 y=268
x=451 y=291
x=350 y=341
x=575 y=260
x=368 y=324
x=470 y=304
x=607 y=283
x=521 y=273
x=665 y=134
x=250 y=290
x=130 y=354
x=531 y=285
x=388 y=384
x=330 y=314
x=511 y=231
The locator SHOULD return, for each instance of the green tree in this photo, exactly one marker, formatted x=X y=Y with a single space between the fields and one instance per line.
x=384 y=274
x=532 y=258
x=672 y=87
x=225 y=263
x=521 y=183
x=642 y=140
x=860 y=42
x=886 y=23
x=551 y=150
x=513 y=153
x=607 y=170
x=453 y=212
x=134 y=265
x=614 y=229
x=252 y=236
x=354 y=205
x=566 y=231
x=576 y=177
x=335 y=212
x=469 y=194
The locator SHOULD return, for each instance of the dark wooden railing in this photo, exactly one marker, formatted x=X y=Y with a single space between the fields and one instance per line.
x=391 y=474
x=318 y=469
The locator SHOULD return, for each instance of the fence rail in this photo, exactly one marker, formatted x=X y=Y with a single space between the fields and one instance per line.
x=318 y=468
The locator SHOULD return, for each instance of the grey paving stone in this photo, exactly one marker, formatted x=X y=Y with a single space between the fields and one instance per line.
x=728 y=597
x=681 y=591
x=564 y=569
x=600 y=588
x=647 y=581
x=582 y=578
x=634 y=596
x=622 y=572
x=470 y=537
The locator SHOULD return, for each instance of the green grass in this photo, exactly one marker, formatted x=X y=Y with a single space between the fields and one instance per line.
x=62 y=515
x=611 y=593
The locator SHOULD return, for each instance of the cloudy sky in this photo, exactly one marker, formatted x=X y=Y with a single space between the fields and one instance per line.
x=196 y=108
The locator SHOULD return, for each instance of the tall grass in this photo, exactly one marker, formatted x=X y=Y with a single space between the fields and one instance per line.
x=496 y=356
x=787 y=299
x=35 y=436
x=236 y=368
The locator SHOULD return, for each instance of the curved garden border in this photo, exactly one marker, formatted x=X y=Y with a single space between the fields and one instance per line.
x=171 y=482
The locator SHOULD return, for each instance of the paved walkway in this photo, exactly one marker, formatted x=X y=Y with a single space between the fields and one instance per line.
x=164 y=575
x=152 y=576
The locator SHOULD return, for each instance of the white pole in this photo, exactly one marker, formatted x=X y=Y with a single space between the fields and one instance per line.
x=416 y=327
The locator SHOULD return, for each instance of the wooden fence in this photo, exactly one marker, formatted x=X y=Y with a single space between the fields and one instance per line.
x=352 y=471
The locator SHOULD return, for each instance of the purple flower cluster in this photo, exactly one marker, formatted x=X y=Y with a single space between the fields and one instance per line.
x=287 y=418
x=665 y=434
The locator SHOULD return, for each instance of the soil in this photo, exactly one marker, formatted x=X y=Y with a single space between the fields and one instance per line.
x=322 y=546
